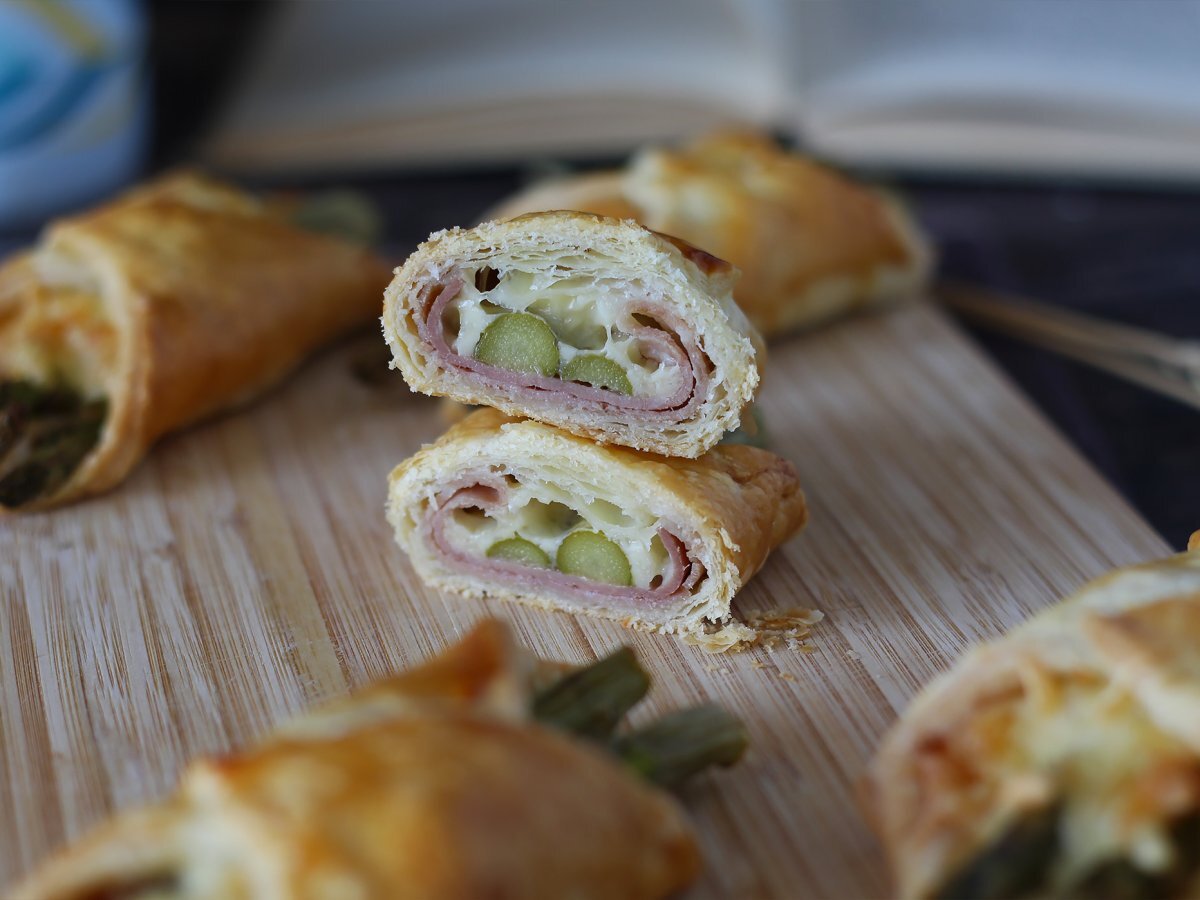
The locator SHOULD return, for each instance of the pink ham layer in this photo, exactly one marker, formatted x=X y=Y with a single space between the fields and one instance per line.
x=681 y=577
x=654 y=343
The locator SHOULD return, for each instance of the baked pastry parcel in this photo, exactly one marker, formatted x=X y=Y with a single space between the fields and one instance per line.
x=177 y=300
x=1061 y=760
x=592 y=324
x=810 y=242
x=519 y=510
x=483 y=773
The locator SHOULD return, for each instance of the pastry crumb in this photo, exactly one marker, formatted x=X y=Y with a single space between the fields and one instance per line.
x=854 y=655
x=787 y=676
x=788 y=627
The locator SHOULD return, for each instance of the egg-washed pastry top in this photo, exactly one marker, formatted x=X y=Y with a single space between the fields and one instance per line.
x=811 y=243
x=483 y=773
x=594 y=325
x=177 y=300
x=520 y=510
x=1061 y=760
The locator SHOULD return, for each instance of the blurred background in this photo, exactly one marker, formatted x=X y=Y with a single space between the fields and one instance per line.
x=1052 y=149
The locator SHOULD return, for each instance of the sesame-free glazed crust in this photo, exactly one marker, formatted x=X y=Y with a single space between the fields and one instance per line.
x=731 y=508
x=685 y=290
x=432 y=785
x=180 y=299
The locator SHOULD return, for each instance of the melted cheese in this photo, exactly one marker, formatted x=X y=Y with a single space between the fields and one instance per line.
x=543 y=513
x=1100 y=754
x=64 y=334
x=583 y=312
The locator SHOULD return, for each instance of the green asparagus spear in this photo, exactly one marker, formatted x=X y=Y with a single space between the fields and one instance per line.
x=683 y=744
x=57 y=430
x=598 y=371
x=1013 y=865
x=24 y=483
x=590 y=702
x=349 y=215
x=518 y=550
x=1120 y=879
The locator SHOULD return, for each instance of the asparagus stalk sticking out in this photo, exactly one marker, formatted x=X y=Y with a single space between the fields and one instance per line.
x=45 y=433
x=1015 y=864
x=345 y=214
x=1020 y=862
x=590 y=702
x=676 y=747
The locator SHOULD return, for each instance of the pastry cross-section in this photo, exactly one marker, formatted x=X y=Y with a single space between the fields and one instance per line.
x=595 y=325
x=811 y=242
x=519 y=510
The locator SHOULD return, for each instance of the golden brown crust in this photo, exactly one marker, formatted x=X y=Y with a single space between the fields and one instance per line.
x=1194 y=542
x=810 y=242
x=1086 y=714
x=441 y=794
x=739 y=502
x=497 y=808
x=202 y=300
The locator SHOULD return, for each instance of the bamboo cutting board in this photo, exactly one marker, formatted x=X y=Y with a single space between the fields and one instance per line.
x=246 y=572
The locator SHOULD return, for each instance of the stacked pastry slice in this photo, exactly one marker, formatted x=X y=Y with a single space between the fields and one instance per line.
x=625 y=348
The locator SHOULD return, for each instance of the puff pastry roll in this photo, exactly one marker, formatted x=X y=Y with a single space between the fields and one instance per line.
x=1062 y=760
x=459 y=779
x=595 y=325
x=810 y=242
x=180 y=299
x=518 y=510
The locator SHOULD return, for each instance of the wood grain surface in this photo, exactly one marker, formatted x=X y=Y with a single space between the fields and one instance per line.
x=246 y=571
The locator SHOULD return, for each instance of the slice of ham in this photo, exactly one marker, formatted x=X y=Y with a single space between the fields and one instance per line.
x=681 y=576
x=654 y=343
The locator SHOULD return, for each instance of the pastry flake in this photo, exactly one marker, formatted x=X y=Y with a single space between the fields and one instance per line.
x=480 y=774
x=180 y=299
x=519 y=510
x=810 y=242
x=594 y=325
x=1061 y=760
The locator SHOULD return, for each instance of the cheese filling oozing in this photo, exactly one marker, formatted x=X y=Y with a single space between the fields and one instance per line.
x=544 y=515
x=584 y=312
x=1113 y=784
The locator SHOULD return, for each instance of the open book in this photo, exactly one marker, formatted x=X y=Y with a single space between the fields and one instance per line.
x=1075 y=87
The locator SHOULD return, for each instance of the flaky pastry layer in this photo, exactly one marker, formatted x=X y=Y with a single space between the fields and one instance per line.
x=729 y=509
x=810 y=242
x=669 y=308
